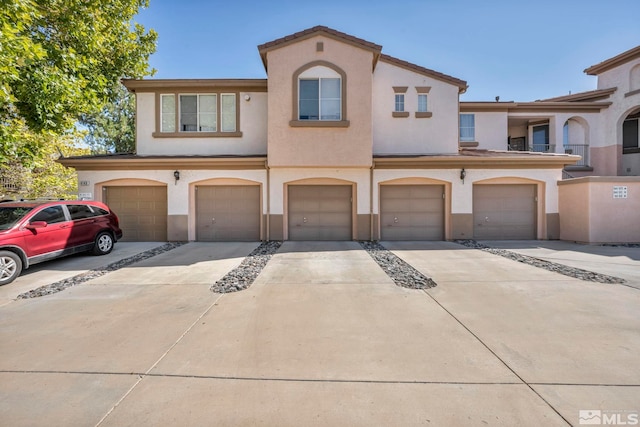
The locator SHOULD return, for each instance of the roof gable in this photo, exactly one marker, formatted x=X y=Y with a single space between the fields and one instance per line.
x=316 y=31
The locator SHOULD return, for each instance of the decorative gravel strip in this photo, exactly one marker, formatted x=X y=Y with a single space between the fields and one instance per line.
x=576 y=273
x=241 y=277
x=92 y=274
x=400 y=272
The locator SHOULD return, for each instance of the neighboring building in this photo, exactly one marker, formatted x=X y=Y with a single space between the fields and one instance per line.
x=600 y=125
x=343 y=142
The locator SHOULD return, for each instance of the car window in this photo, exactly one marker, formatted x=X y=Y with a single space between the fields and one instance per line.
x=51 y=215
x=9 y=215
x=85 y=211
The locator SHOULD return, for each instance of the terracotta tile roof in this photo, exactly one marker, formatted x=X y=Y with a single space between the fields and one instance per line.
x=425 y=71
x=592 y=95
x=319 y=29
x=610 y=63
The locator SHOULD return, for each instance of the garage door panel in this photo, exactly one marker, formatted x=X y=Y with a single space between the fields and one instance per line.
x=319 y=212
x=228 y=213
x=412 y=212
x=505 y=211
x=142 y=211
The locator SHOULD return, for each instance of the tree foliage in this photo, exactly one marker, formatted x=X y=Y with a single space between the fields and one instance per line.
x=61 y=59
x=112 y=129
x=44 y=176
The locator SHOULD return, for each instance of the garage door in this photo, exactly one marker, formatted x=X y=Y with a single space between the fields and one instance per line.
x=227 y=213
x=412 y=212
x=320 y=212
x=142 y=212
x=504 y=211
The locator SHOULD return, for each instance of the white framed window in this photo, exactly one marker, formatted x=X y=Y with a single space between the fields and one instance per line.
x=320 y=99
x=168 y=113
x=467 y=127
x=399 y=103
x=228 y=112
x=422 y=103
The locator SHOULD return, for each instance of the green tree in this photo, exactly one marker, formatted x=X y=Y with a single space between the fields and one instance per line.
x=44 y=176
x=112 y=130
x=59 y=60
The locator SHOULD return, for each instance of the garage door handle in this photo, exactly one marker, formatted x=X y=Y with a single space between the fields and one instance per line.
x=213 y=220
x=486 y=219
x=395 y=220
x=304 y=220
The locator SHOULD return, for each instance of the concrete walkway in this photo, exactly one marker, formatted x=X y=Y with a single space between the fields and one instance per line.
x=323 y=337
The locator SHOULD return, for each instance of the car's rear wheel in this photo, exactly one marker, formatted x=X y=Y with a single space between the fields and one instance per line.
x=104 y=243
x=10 y=267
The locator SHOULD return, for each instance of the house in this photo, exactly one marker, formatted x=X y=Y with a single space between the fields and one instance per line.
x=344 y=142
x=599 y=125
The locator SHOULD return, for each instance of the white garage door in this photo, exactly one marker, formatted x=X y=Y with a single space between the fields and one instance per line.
x=504 y=212
x=319 y=212
x=412 y=212
x=228 y=213
x=142 y=211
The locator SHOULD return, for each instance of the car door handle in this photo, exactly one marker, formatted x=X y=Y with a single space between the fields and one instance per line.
x=64 y=225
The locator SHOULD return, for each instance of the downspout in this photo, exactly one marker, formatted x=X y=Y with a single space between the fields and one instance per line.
x=371 y=200
x=268 y=221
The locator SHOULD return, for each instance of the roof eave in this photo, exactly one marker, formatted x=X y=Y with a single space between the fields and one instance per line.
x=162 y=163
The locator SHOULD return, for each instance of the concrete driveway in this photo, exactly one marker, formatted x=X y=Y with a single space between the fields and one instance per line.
x=323 y=337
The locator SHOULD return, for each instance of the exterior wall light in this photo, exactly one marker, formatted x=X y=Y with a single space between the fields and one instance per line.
x=463 y=174
x=176 y=175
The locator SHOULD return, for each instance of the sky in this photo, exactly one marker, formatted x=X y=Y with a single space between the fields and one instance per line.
x=517 y=50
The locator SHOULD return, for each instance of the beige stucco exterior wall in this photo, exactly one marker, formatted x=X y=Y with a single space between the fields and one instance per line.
x=492 y=130
x=411 y=135
x=279 y=177
x=624 y=101
x=319 y=146
x=253 y=125
x=462 y=192
x=590 y=214
x=180 y=194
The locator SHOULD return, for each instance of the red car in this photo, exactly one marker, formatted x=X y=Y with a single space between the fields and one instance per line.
x=33 y=232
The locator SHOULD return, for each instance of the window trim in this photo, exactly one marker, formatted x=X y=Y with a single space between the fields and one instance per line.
x=180 y=134
x=295 y=116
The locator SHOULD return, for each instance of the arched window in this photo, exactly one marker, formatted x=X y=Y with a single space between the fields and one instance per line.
x=319 y=95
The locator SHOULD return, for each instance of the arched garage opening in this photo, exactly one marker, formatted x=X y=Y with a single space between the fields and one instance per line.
x=320 y=209
x=226 y=209
x=414 y=209
x=508 y=208
x=141 y=206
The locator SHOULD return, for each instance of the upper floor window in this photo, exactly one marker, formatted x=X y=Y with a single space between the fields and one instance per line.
x=467 y=127
x=399 y=104
x=320 y=99
x=198 y=113
x=319 y=96
x=213 y=114
x=422 y=103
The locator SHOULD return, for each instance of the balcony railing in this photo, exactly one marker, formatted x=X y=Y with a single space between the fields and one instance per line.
x=542 y=148
x=579 y=150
